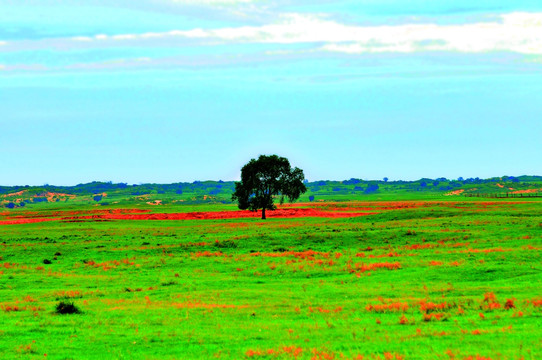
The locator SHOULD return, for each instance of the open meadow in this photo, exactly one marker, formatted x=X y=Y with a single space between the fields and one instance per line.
x=446 y=278
x=270 y=180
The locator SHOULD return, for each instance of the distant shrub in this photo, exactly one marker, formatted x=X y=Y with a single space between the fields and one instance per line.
x=10 y=205
x=40 y=199
x=423 y=184
x=436 y=183
x=321 y=183
x=358 y=188
x=352 y=181
x=311 y=198
x=97 y=198
x=66 y=307
x=179 y=191
x=371 y=189
x=337 y=189
x=214 y=192
x=47 y=261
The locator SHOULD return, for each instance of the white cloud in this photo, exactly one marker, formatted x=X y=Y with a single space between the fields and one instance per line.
x=513 y=32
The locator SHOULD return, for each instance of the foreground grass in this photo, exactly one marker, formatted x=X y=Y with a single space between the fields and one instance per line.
x=415 y=280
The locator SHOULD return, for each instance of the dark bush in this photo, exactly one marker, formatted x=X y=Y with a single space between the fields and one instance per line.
x=66 y=307
x=311 y=198
x=47 y=261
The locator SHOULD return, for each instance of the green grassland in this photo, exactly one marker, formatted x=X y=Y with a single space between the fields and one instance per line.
x=425 y=276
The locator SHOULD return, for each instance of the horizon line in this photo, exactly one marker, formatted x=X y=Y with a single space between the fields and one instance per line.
x=384 y=179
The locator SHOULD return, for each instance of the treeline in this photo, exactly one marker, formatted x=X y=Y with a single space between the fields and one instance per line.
x=220 y=191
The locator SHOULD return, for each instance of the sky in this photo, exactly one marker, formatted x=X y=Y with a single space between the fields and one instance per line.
x=163 y=91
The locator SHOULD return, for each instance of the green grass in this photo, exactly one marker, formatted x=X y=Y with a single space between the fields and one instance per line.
x=278 y=289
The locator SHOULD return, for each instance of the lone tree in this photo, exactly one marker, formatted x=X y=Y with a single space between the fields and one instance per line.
x=267 y=177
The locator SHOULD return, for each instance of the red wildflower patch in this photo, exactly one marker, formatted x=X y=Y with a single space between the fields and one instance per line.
x=390 y=254
x=305 y=255
x=322 y=355
x=392 y=356
x=112 y=264
x=207 y=254
x=133 y=214
x=509 y=304
x=419 y=246
x=392 y=307
x=429 y=306
x=16 y=307
x=490 y=302
x=434 y=316
x=68 y=294
x=375 y=266
x=290 y=351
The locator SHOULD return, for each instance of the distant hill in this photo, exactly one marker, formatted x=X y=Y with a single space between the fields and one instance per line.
x=198 y=192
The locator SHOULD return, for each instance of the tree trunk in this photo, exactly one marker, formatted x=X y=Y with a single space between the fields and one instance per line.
x=263 y=214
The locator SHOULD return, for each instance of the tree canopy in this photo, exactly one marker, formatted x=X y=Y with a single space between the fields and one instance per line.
x=265 y=178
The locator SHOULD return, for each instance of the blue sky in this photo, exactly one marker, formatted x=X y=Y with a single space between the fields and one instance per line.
x=182 y=90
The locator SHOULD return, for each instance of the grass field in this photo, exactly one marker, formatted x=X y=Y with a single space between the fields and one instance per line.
x=448 y=278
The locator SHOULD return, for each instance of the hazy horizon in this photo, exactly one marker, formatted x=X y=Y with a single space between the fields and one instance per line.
x=225 y=180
